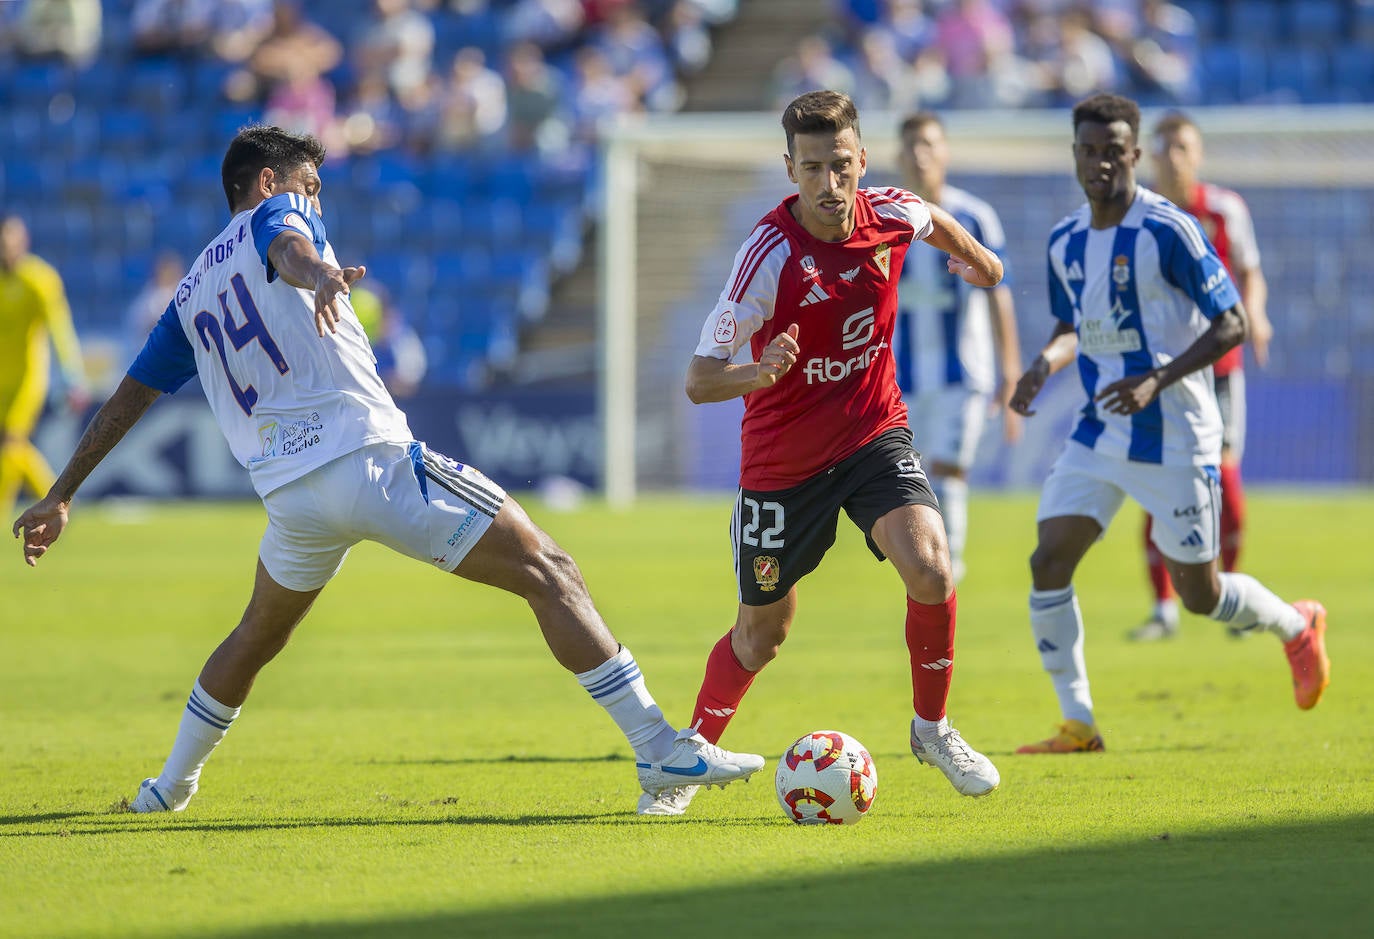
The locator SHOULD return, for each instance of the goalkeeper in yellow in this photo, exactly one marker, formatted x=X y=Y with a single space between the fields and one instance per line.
x=33 y=309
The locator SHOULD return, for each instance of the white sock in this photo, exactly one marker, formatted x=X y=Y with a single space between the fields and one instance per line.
x=1166 y=611
x=1249 y=605
x=203 y=726
x=617 y=685
x=953 y=495
x=927 y=731
x=1057 y=624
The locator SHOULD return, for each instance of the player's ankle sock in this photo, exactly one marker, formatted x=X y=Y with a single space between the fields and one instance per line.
x=722 y=690
x=1057 y=624
x=203 y=726
x=930 y=731
x=1232 y=515
x=1159 y=574
x=617 y=685
x=952 y=494
x=930 y=646
x=1166 y=611
x=1247 y=604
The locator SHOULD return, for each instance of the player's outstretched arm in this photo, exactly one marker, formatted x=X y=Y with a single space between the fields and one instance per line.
x=300 y=265
x=1008 y=342
x=711 y=379
x=42 y=523
x=968 y=257
x=1254 y=294
x=1135 y=392
x=1058 y=352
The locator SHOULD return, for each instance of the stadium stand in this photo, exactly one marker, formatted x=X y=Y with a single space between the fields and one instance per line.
x=114 y=160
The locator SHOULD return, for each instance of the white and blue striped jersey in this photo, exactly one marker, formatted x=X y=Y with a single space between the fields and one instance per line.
x=1138 y=295
x=286 y=399
x=944 y=334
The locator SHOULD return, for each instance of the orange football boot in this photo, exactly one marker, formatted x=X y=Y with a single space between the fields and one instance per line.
x=1073 y=737
x=1307 y=655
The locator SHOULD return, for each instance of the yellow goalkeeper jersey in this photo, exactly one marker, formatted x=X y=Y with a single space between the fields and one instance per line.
x=33 y=308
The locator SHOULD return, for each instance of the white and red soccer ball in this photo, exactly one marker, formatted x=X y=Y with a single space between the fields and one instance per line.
x=826 y=777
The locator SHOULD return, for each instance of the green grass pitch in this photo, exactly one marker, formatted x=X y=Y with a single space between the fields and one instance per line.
x=416 y=764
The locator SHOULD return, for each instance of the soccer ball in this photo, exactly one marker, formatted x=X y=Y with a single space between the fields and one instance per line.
x=826 y=777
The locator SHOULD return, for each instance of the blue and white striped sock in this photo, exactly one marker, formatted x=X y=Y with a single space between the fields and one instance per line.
x=203 y=726
x=1057 y=624
x=618 y=686
x=1246 y=604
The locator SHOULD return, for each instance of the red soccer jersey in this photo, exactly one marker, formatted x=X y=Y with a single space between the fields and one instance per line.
x=1226 y=221
x=842 y=296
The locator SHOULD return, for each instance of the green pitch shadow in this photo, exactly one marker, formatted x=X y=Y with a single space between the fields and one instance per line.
x=1279 y=881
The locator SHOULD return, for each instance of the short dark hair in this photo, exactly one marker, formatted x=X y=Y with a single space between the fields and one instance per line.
x=257 y=146
x=1107 y=109
x=914 y=122
x=1172 y=121
x=819 y=112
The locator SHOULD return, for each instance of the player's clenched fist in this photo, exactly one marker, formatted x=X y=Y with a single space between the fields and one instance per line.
x=779 y=356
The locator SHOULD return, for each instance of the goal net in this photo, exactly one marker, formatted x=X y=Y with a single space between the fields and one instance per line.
x=681 y=192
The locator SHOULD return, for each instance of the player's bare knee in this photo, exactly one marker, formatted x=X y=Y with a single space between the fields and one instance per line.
x=933 y=583
x=552 y=574
x=1050 y=569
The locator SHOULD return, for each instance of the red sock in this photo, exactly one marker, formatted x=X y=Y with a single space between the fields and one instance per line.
x=1232 y=515
x=930 y=643
x=1159 y=574
x=722 y=690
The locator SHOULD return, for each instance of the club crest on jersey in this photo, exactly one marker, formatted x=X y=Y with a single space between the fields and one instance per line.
x=725 y=327
x=295 y=221
x=766 y=572
x=882 y=257
x=1121 y=271
x=808 y=266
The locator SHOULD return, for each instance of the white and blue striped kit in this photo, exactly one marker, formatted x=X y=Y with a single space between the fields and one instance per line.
x=1139 y=294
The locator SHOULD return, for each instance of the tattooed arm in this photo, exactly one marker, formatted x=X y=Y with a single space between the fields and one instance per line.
x=43 y=522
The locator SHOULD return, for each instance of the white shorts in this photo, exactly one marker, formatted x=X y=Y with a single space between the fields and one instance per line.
x=407 y=497
x=946 y=424
x=1184 y=501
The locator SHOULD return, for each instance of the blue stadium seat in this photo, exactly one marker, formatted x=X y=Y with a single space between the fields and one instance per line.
x=125 y=130
x=228 y=121
x=1209 y=17
x=1352 y=72
x=1302 y=70
x=495 y=222
x=1232 y=73
x=156 y=85
x=1314 y=21
x=1255 y=21
x=33 y=84
x=99 y=85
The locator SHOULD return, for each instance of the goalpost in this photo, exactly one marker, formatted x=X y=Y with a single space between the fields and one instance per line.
x=680 y=192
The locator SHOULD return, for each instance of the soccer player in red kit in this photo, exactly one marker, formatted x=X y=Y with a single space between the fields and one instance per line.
x=1226 y=220
x=814 y=292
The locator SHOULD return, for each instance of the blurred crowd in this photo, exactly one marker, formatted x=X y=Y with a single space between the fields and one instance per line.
x=903 y=55
x=383 y=79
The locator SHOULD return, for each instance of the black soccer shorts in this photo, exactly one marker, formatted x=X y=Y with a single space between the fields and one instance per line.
x=779 y=537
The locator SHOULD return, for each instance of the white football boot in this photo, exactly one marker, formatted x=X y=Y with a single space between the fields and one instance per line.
x=694 y=762
x=668 y=802
x=150 y=798
x=967 y=770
